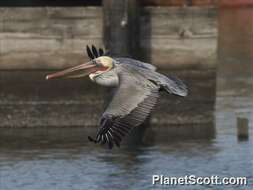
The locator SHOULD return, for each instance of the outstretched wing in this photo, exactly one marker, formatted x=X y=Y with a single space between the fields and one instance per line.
x=170 y=84
x=135 y=63
x=130 y=106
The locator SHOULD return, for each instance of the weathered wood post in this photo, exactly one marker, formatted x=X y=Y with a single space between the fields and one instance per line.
x=242 y=128
x=121 y=27
x=121 y=38
x=121 y=30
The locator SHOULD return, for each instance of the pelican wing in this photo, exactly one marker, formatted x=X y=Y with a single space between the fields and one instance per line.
x=135 y=63
x=130 y=106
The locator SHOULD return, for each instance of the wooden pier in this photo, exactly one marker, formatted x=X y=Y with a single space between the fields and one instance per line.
x=179 y=39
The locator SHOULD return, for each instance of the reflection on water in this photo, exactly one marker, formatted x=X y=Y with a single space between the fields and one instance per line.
x=62 y=158
x=235 y=74
x=51 y=163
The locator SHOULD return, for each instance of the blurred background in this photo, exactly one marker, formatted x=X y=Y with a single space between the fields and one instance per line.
x=44 y=124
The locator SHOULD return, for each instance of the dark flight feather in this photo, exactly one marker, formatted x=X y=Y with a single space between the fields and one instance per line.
x=89 y=52
x=113 y=129
x=101 y=52
x=94 y=51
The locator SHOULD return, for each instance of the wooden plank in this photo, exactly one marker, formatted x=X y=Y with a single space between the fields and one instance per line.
x=28 y=100
x=205 y=2
x=185 y=53
x=47 y=54
x=180 y=37
x=39 y=13
x=63 y=27
x=47 y=38
x=179 y=2
x=60 y=28
x=162 y=2
x=171 y=21
x=170 y=37
x=236 y=3
x=84 y=3
x=52 y=21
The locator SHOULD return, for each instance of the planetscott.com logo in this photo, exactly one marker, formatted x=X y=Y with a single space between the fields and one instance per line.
x=198 y=180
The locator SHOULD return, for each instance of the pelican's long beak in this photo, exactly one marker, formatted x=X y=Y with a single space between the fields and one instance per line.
x=75 y=72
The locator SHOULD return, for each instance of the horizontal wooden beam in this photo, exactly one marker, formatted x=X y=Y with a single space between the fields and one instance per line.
x=235 y=3
x=76 y=3
x=55 y=38
x=179 y=2
x=28 y=100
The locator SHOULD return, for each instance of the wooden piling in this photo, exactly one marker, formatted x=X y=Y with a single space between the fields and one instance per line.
x=121 y=30
x=121 y=38
x=242 y=128
x=121 y=27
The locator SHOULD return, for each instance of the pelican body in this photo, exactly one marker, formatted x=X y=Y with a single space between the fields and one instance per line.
x=137 y=85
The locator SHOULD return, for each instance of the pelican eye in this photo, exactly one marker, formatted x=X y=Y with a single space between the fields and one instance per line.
x=94 y=62
x=99 y=63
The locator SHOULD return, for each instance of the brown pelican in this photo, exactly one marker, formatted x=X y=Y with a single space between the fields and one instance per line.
x=137 y=90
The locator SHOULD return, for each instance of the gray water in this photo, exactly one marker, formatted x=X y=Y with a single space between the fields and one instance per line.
x=81 y=165
x=63 y=159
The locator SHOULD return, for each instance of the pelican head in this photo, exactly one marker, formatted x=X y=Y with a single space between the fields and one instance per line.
x=92 y=68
